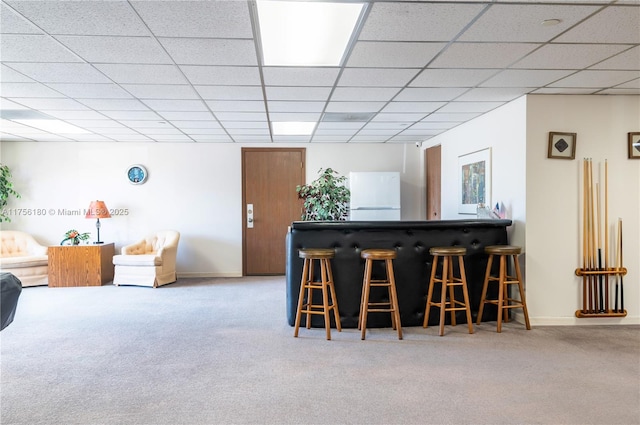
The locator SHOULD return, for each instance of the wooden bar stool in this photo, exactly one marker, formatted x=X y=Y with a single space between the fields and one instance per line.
x=366 y=307
x=504 y=302
x=448 y=283
x=325 y=285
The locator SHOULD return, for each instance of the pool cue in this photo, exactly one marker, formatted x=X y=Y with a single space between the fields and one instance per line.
x=615 y=308
x=593 y=286
x=584 y=235
x=599 y=244
x=621 y=276
x=606 y=234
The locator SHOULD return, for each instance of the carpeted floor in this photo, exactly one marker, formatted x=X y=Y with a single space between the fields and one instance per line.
x=219 y=351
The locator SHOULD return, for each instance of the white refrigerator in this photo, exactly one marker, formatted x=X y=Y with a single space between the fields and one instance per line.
x=375 y=196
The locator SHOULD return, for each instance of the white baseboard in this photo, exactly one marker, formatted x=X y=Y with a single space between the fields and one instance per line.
x=575 y=321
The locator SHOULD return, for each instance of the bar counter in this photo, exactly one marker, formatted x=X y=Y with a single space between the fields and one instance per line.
x=412 y=241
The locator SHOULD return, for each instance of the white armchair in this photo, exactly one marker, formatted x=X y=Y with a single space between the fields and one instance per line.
x=150 y=262
x=22 y=256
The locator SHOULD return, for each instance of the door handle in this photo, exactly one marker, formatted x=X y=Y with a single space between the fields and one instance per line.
x=249 y=216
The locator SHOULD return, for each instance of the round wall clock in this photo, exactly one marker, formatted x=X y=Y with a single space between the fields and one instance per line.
x=137 y=174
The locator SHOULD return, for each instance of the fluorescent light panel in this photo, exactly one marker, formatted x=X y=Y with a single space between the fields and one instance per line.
x=53 y=126
x=293 y=128
x=306 y=33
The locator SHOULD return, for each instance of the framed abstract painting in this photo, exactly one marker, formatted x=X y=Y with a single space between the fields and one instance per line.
x=474 y=185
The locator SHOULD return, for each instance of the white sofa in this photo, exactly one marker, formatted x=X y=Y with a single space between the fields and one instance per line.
x=22 y=256
x=149 y=262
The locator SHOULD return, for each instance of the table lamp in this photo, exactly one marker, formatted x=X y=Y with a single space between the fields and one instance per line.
x=98 y=210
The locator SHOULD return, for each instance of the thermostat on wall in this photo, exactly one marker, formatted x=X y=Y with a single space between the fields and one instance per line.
x=137 y=174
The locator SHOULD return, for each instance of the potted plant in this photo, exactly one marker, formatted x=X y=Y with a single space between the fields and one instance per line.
x=6 y=190
x=326 y=198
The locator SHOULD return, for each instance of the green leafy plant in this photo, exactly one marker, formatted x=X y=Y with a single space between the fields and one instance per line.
x=6 y=190
x=326 y=198
x=73 y=237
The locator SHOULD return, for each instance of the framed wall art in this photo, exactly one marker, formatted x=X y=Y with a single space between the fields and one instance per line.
x=634 y=145
x=562 y=145
x=474 y=173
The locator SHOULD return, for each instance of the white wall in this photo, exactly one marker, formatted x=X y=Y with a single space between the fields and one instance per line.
x=554 y=200
x=194 y=188
x=543 y=196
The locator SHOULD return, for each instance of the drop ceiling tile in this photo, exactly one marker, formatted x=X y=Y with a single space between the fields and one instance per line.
x=8 y=75
x=28 y=90
x=236 y=106
x=295 y=116
x=82 y=18
x=138 y=50
x=377 y=54
x=146 y=124
x=247 y=124
x=482 y=55
x=630 y=84
x=47 y=137
x=506 y=22
x=61 y=72
x=425 y=125
x=222 y=75
x=564 y=90
x=193 y=116
x=345 y=133
x=396 y=126
x=598 y=30
x=142 y=74
x=132 y=115
x=493 y=94
x=298 y=93
x=6 y=104
x=230 y=93
x=115 y=104
x=170 y=138
x=133 y=138
x=177 y=105
x=76 y=115
x=383 y=133
x=34 y=48
x=354 y=106
x=429 y=93
x=380 y=77
x=189 y=51
x=295 y=106
x=364 y=94
x=90 y=138
x=11 y=23
x=206 y=138
x=417 y=22
x=204 y=131
x=241 y=116
x=330 y=139
x=157 y=131
x=470 y=106
x=452 y=77
x=620 y=91
x=116 y=132
x=395 y=117
x=450 y=117
x=90 y=91
x=4 y=137
x=418 y=133
x=525 y=78
x=216 y=19
x=419 y=107
x=234 y=132
x=323 y=125
x=161 y=91
x=596 y=79
x=568 y=56
x=196 y=124
x=296 y=76
x=252 y=139
x=105 y=123
x=368 y=139
x=629 y=60
x=46 y=103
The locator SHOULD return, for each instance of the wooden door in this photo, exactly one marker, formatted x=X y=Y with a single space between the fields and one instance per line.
x=270 y=204
x=432 y=158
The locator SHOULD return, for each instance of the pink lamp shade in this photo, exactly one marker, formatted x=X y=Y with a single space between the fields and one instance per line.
x=98 y=210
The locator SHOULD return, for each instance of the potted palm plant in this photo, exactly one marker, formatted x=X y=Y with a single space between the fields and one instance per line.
x=326 y=198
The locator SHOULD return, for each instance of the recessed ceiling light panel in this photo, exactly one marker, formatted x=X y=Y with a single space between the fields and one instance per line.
x=306 y=33
x=291 y=128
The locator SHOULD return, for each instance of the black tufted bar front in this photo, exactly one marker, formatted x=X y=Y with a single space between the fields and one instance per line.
x=411 y=240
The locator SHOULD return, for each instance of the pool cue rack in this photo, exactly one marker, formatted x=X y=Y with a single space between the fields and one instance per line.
x=598 y=279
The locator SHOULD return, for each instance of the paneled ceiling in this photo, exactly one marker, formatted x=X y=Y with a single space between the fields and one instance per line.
x=191 y=71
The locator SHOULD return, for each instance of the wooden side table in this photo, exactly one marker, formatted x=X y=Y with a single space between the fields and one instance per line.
x=81 y=265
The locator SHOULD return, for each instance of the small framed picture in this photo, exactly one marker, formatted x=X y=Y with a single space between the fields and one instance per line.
x=562 y=145
x=634 y=145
